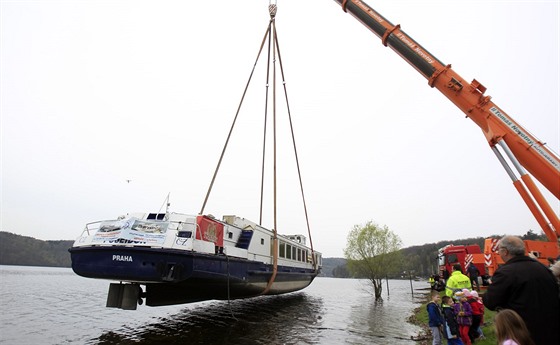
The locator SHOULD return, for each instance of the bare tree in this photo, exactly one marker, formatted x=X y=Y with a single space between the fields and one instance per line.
x=373 y=253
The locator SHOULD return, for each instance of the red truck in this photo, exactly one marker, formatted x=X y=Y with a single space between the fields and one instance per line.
x=463 y=255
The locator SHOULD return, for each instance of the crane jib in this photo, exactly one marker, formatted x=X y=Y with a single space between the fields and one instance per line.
x=415 y=57
x=528 y=154
x=405 y=46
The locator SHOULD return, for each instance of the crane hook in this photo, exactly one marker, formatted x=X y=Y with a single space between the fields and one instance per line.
x=272 y=8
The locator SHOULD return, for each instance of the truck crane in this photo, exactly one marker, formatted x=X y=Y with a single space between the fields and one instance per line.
x=528 y=155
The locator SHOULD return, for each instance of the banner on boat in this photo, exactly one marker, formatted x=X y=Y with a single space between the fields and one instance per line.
x=132 y=231
x=210 y=230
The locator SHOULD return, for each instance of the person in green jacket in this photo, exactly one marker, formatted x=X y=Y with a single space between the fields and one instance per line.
x=457 y=281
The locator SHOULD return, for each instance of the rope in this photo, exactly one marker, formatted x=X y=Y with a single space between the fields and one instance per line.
x=233 y=123
x=264 y=128
x=228 y=295
x=295 y=150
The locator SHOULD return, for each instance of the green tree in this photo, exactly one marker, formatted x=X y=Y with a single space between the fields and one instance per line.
x=373 y=253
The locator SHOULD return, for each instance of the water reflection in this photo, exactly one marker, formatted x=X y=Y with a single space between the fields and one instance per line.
x=383 y=321
x=286 y=319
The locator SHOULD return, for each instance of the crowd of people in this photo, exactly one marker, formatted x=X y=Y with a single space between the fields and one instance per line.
x=524 y=292
x=458 y=319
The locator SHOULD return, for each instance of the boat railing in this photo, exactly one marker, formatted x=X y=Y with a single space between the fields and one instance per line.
x=90 y=227
x=180 y=226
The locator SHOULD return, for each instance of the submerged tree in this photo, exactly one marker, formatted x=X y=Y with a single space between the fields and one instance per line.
x=373 y=253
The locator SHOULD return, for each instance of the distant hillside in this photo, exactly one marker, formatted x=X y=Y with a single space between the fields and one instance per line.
x=420 y=260
x=331 y=265
x=28 y=251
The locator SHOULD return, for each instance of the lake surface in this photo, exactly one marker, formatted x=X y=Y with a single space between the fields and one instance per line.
x=43 y=305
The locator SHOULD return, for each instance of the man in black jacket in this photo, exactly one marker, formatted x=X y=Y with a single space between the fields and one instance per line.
x=528 y=287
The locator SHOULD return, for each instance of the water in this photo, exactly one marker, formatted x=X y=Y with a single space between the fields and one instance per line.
x=43 y=305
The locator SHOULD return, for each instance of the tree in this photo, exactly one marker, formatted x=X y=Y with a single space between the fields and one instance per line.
x=373 y=253
x=533 y=236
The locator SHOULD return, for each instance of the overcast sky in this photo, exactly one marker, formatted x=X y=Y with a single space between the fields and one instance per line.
x=95 y=93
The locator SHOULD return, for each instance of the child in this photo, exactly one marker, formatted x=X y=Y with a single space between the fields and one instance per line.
x=435 y=320
x=450 y=326
x=480 y=307
x=511 y=329
x=463 y=311
x=477 y=313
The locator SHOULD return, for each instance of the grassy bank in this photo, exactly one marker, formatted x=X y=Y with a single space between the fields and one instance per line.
x=420 y=318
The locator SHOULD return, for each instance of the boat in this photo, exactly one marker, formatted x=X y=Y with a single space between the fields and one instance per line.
x=167 y=258
x=173 y=258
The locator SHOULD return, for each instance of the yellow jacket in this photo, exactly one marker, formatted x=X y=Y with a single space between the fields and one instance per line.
x=457 y=281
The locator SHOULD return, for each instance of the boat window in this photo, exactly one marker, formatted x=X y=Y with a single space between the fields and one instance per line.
x=184 y=234
x=282 y=250
x=262 y=240
x=157 y=216
x=230 y=235
x=288 y=251
x=294 y=253
x=299 y=254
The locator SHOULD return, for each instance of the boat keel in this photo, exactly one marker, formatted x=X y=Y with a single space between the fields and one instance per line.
x=124 y=296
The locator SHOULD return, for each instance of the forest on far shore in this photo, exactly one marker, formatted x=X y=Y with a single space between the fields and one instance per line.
x=28 y=251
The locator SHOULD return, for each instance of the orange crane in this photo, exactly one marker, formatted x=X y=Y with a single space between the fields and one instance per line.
x=528 y=155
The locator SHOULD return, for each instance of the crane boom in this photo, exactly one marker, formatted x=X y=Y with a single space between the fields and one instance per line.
x=522 y=148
